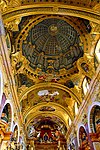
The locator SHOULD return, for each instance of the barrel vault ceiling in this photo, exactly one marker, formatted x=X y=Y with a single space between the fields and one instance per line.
x=49 y=45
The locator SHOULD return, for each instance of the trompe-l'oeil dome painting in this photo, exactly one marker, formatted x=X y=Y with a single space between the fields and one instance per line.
x=50 y=45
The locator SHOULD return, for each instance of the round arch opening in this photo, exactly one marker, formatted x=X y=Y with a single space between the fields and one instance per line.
x=83 y=139
x=6 y=115
x=95 y=118
x=15 y=134
x=95 y=126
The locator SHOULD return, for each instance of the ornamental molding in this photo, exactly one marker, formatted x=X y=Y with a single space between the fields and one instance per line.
x=85 y=13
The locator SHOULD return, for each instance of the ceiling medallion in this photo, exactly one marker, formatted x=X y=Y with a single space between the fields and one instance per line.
x=53 y=29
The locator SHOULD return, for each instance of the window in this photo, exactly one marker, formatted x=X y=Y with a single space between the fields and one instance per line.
x=85 y=86
x=76 y=108
x=97 y=51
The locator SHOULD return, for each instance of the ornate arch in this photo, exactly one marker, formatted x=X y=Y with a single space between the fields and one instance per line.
x=82 y=137
x=7 y=114
x=90 y=115
x=56 y=85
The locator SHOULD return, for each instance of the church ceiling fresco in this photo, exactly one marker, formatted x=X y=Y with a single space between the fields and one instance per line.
x=53 y=122
x=46 y=108
x=54 y=95
x=51 y=46
x=45 y=123
x=48 y=49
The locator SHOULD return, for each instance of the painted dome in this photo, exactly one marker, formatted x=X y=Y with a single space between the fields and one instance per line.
x=51 y=45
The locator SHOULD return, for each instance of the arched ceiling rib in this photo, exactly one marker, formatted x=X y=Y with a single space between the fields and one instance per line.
x=52 y=85
x=58 y=108
x=46 y=114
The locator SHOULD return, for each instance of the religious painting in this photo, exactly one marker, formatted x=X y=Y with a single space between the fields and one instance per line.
x=46 y=108
x=83 y=139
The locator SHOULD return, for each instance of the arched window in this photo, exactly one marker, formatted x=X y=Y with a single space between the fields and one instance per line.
x=95 y=125
x=85 y=85
x=76 y=108
x=69 y=121
x=7 y=115
x=97 y=51
x=15 y=134
x=83 y=139
x=95 y=118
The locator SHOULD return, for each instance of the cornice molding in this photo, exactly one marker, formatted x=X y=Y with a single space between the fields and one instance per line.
x=49 y=8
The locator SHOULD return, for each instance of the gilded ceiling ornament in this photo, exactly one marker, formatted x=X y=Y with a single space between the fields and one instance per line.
x=97 y=7
x=84 y=65
x=8 y=4
x=95 y=28
x=48 y=9
x=18 y=62
x=7 y=90
x=84 y=119
x=15 y=3
x=13 y=25
x=56 y=9
x=87 y=3
x=3 y=5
